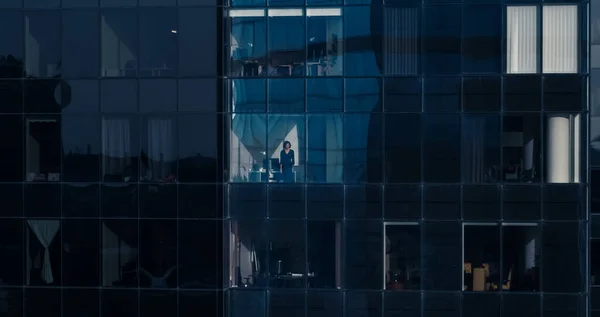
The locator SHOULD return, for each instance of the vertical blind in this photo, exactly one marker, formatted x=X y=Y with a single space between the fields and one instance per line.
x=559 y=39
x=401 y=41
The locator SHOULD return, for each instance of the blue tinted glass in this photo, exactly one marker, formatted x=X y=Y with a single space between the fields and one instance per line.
x=248 y=46
x=248 y=95
x=158 y=42
x=442 y=39
x=362 y=30
x=482 y=32
x=286 y=45
x=362 y=148
x=402 y=44
x=324 y=56
x=80 y=43
x=286 y=95
x=324 y=94
x=363 y=94
x=324 y=148
x=119 y=43
x=198 y=42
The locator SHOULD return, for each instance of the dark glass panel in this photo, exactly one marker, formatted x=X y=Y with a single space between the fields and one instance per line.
x=402 y=202
x=158 y=253
x=363 y=267
x=324 y=303
x=247 y=201
x=441 y=202
x=157 y=302
x=11 y=200
x=363 y=202
x=158 y=42
x=325 y=148
x=42 y=41
x=119 y=254
x=80 y=200
x=402 y=95
x=81 y=147
x=402 y=256
x=481 y=202
x=401 y=42
x=158 y=95
x=521 y=305
x=43 y=237
x=325 y=202
x=324 y=41
x=441 y=148
x=200 y=201
x=80 y=43
x=208 y=302
x=247 y=303
x=158 y=200
x=12 y=125
x=43 y=95
x=441 y=304
x=286 y=42
x=248 y=57
x=324 y=94
x=80 y=96
x=198 y=42
x=119 y=201
x=79 y=3
x=80 y=252
x=480 y=148
x=119 y=95
x=564 y=93
x=521 y=147
x=199 y=246
x=249 y=265
x=118 y=303
x=442 y=94
x=324 y=254
x=120 y=148
x=482 y=34
x=563 y=202
x=199 y=94
x=562 y=305
x=363 y=147
x=286 y=201
x=11 y=4
x=120 y=43
x=522 y=252
x=42 y=200
x=441 y=256
x=402 y=148
x=158 y=156
x=42 y=302
x=402 y=304
x=521 y=202
x=475 y=305
x=481 y=93
x=287 y=303
x=158 y=2
x=363 y=303
x=248 y=95
x=287 y=253
x=363 y=94
x=182 y=3
x=11 y=239
x=287 y=95
x=563 y=240
x=362 y=43
x=522 y=93
x=198 y=156
x=11 y=94
x=45 y=4
x=13 y=302
x=442 y=39
x=81 y=302
x=11 y=47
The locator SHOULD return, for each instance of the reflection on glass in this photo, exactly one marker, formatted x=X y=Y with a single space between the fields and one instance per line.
x=324 y=94
x=362 y=148
x=80 y=252
x=158 y=42
x=247 y=139
x=481 y=257
x=43 y=149
x=42 y=40
x=248 y=254
x=325 y=147
x=287 y=254
x=247 y=42
x=324 y=42
x=158 y=253
x=286 y=43
x=119 y=43
x=442 y=39
x=248 y=95
x=521 y=253
x=119 y=257
x=158 y=158
x=360 y=45
x=480 y=148
x=43 y=252
x=120 y=148
x=324 y=254
x=401 y=40
x=80 y=50
x=402 y=256
x=362 y=94
x=482 y=32
x=11 y=47
x=80 y=147
x=521 y=148
x=286 y=95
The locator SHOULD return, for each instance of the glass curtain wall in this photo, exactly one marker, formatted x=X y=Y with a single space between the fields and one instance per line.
x=403 y=158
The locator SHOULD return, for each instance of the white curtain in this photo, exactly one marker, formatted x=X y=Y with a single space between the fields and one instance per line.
x=559 y=38
x=116 y=145
x=45 y=231
x=521 y=39
x=160 y=148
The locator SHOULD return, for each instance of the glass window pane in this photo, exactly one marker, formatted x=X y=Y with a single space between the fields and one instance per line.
x=158 y=2
x=363 y=94
x=361 y=25
x=363 y=146
x=481 y=93
x=158 y=158
x=522 y=93
x=80 y=262
x=522 y=40
x=481 y=257
x=158 y=42
x=564 y=93
x=521 y=202
x=198 y=42
x=115 y=302
x=158 y=95
x=563 y=240
x=81 y=200
x=564 y=202
x=287 y=253
x=11 y=48
x=482 y=38
x=79 y=3
x=442 y=94
x=81 y=147
x=324 y=94
x=158 y=237
x=363 y=201
x=441 y=202
x=442 y=39
x=198 y=156
x=560 y=39
x=248 y=43
x=442 y=259
x=11 y=4
x=477 y=304
x=42 y=43
x=480 y=148
x=198 y=237
x=158 y=201
x=286 y=43
x=363 y=259
x=403 y=148
x=521 y=146
x=119 y=201
x=248 y=201
x=402 y=95
x=43 y=148
x=401 y=43
x=119 y=95
x=325 y=201
x=43 y=95
x=284 y=160
x=287 y=201
x=481 y=202
x=80 y=45
x=402 y=256
x=118 y=3
x=324 y=55
x=39 y=4
x=11 y=235
x=441 y=151
x=402 y=202
x=198 y=95
x=80 y=96
x=119 y=43
x=325 y=145
x=286 y=95
x=247 y=147
x=40 y=301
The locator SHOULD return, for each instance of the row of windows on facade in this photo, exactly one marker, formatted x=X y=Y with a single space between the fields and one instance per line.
x=549 y=42
x=51 y=4
x=165 y=43
x=331 y=148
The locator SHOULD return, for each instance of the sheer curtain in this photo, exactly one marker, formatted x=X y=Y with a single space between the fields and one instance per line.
x=116 y=146
x=45 y=231
x=559 y=38
x=521 y=39
x=473 y=150
x=160 y=148
x=401 y=41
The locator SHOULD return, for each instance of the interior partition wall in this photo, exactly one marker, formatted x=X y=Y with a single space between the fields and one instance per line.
x=438 y=159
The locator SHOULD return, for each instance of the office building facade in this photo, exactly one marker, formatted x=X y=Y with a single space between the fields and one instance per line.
x=441 y=158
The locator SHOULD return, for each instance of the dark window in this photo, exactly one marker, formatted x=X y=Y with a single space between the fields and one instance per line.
x=198 y=95
x=80 y=43
x=441 y=259
x=158 y=254
x=42 y=41
x=81 y=147
x=80 y=255
x=401 y=42
x=442 y=39
x=441 y=148
x=363 y=94
x=12 y=125
x=120 y=45
x=522 y=93
x=402 y=148
x=198 y=42
x=362 y=43
x=482 y=32
x=119 y=256
x=158 y=42
x=199 y=237
x=481 y=94
x=11 y=47
x=402 y=95
x=363 y=146
x=198 y=137
x=442 y=94
x=158 y=95
x=287 y=95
